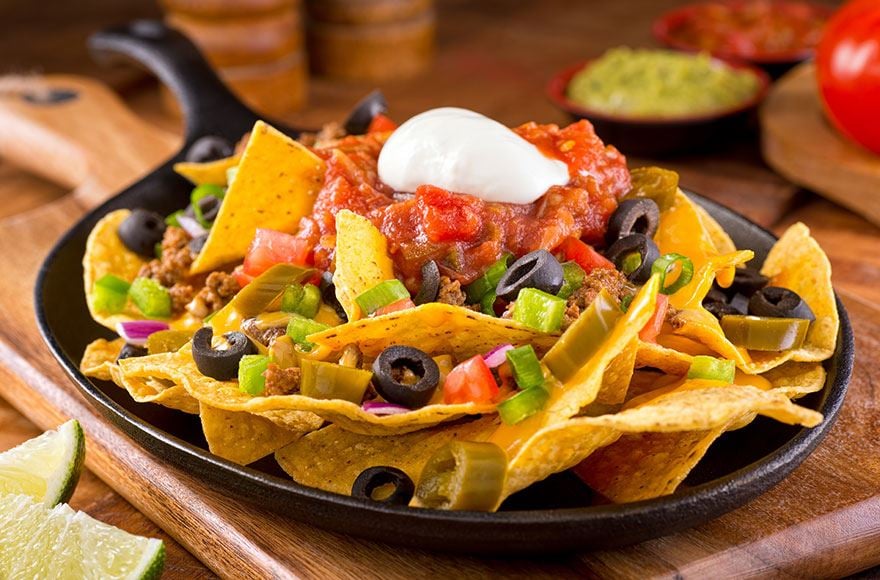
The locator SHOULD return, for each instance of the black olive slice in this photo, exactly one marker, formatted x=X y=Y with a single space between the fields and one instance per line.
x=719 y=309
x=642 y=246
x=776 y=302
x=373 y=478
x=395 y=365
x=538 y=269
x=220 y=364
x=210 y=207
x=633 y=216
x=739 y=302
x=362 y=114
x=131 y=351
x=209 y=148
x=746 y=282
x=430 y=284
x=715 y=294
x=328 y=295
x=141 y=231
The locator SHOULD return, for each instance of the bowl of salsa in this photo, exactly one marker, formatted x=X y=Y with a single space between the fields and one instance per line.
x=774 y=34
x=658 y=102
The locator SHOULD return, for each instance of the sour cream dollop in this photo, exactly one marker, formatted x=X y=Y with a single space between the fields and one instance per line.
x=465 y=152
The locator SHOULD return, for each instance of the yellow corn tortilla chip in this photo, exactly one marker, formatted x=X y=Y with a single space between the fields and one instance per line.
x=332 y=458
x=241 y=437
x=275 y=186
x=362 y=260
x=310 y=413
x=210 y=172
x=147 y=379
x=565 y=444
x=796 y=262
x=723 y=243
x=435 y=328
x=106 y=254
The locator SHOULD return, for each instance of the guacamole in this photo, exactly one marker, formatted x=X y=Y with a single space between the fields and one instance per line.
x=659 y=83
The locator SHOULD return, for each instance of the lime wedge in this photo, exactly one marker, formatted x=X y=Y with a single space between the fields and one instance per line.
x=41 y=542
x=46 y=467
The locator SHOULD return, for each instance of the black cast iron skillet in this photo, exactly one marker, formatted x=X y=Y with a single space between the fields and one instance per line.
x=551 y=516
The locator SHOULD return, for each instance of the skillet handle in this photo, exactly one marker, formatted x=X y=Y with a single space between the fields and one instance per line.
x=209 y=108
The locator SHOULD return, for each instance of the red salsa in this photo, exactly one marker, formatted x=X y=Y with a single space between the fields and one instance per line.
x=753 y=29
x=463 y=233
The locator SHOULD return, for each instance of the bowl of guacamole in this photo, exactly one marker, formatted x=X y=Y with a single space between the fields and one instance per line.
x=659 y=101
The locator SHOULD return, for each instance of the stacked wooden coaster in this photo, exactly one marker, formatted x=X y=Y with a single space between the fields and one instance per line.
x=370 y=40
x=257 y=47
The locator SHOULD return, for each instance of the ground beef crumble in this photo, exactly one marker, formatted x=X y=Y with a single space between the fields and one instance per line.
x=173 y=266
x=328 y=135
x=181 y=295
x=219 y=289
x=612 y=281
x=450 y=292
x=281 y=381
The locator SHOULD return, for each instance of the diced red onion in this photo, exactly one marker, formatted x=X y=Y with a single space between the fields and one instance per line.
x=137 y=331
x=497 y=356
x=382 y=408
x=191 y=226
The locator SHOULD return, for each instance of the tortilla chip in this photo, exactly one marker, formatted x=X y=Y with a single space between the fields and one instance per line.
x=362 y=260
x=332 y=458
x=307 y=414
x=565 y=444
x=435 y=328
x=209 y=172
x=617 y=376
x=106 y=254
x=241 y=437
x=797 y=262
x=723 y=243
x=98 y=357
x=796 y=379
x=275 y=187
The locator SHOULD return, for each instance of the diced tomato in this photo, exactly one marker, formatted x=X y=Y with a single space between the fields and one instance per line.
x=242 y=278
x=447 y=216
x=381 y=124
x=271 y=247
x=470 y=382
x=584 y=255
x=650 y=331
x=395 y=307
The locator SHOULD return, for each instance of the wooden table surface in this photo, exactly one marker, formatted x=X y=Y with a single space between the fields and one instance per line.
x=494 y=58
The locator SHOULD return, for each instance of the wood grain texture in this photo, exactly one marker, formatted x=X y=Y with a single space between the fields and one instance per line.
x=800 y=143
x=821 y=521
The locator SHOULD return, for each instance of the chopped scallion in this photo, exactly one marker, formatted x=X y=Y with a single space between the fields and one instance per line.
x=539 y=310
x=110 y=294
x=250 y=373
x=523 y=404
x=300 y=327
x=380 y=295
x=572 y=279
x=151 y=298
x=711 y=368
x=665 y=264
x=486 y=283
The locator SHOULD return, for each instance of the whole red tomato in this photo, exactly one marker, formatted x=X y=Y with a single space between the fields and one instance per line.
x=848 y=65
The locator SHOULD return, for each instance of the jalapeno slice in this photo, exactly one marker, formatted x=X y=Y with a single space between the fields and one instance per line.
x=655 y=183
x=765 y=334
x=463 y=475
x=167 y=341
x=323 y=380
x=265 y=288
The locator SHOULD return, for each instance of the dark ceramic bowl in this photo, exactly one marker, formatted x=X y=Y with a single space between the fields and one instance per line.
x=661 y=136
x=551 y=516
x=774 y=64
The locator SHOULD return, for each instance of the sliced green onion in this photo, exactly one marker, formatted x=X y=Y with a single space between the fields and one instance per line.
x=573 y=277
x=626 y=301
x=250 y=373
x=539 y=310
x=150 y=297
x=712 y=369
x=523 y=404
x=110 y=294
x=300 y=327
x=171 y=220
x=200 y=192
x=525 y=366
x=380 y=295
x=157 y=249
x=665 y=264
x=487 y=303
x=324 y=380
x=486 y=283
x=299 y=299
x=291 y=297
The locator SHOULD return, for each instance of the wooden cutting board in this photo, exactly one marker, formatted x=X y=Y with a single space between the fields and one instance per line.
x=823 y=520
x=800 y=143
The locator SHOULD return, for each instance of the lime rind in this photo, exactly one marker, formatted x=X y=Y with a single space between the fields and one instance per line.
x=47 y=467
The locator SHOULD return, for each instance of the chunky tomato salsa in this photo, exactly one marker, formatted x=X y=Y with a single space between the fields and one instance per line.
x=465 y=234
